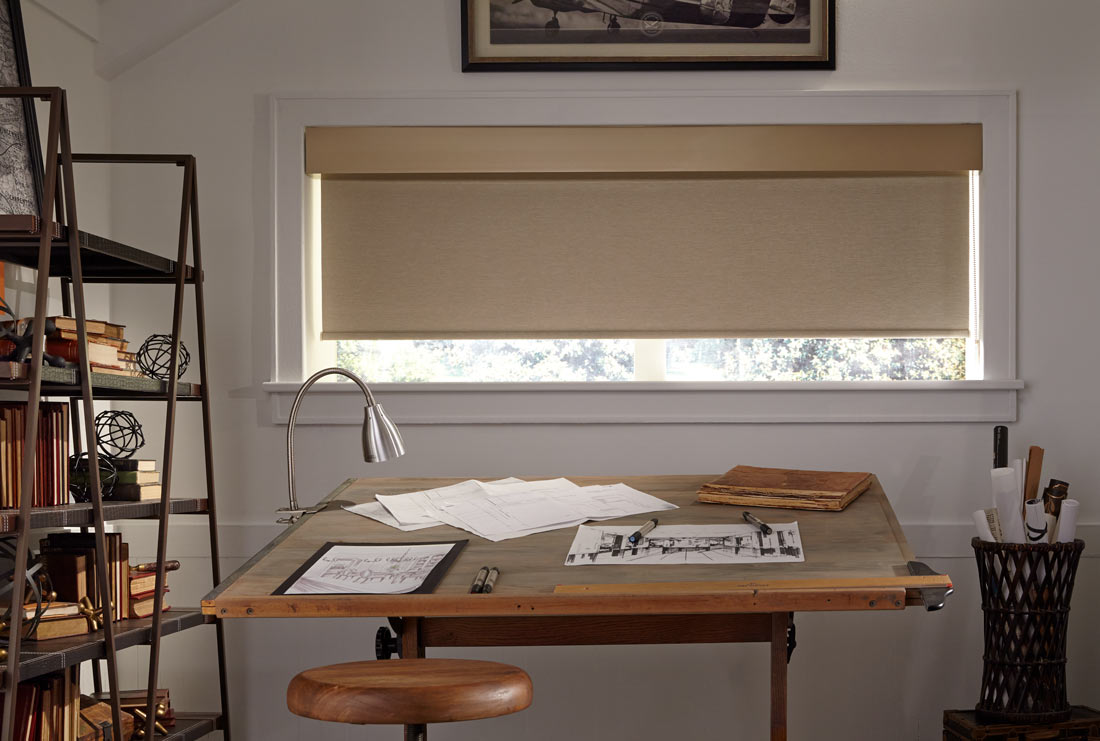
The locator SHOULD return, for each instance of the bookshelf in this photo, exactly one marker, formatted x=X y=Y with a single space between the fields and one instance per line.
x=62 y=250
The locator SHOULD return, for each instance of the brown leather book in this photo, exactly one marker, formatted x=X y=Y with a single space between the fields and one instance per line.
x=786 y=488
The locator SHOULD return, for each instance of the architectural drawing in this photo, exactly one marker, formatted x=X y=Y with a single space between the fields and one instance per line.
x=370 y=569
x=687 y=544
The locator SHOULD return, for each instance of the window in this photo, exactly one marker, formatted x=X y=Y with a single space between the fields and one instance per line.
x=987 y=394
x=586 y=359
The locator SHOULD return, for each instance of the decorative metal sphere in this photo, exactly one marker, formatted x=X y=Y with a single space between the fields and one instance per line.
x=155 y=357
x=81 y=490
x=118 y=434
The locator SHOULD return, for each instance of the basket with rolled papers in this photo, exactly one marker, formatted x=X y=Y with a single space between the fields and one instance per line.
x=1027 y=559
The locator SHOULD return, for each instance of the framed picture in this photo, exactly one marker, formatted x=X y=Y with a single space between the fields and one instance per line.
x=562 y=35
x=20 y=152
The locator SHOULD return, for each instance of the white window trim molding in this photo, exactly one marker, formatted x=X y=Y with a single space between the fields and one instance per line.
x=992 y=399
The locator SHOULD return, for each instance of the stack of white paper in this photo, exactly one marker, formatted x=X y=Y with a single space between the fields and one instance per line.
x=509 y=508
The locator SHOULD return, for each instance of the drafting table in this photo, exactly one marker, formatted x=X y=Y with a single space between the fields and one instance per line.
x=857 y=559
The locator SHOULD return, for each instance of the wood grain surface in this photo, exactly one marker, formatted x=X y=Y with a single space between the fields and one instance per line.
x=853 y=559
x=409 y=691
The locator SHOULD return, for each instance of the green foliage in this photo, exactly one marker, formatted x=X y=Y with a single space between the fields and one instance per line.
x=795 y=359
x=746 y=359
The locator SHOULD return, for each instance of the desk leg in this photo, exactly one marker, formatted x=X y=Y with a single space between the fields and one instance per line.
x=780 y=621
x=412 y=647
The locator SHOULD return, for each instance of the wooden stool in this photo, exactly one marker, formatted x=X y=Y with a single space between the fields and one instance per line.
x=409 y=692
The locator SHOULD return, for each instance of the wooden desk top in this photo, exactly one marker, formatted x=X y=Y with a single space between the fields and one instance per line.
x=855 y=560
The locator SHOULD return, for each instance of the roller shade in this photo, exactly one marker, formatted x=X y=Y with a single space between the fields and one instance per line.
x=489 y=242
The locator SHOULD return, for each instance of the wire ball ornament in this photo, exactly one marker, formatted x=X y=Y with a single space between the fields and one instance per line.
x=118 y=434
x=80 y=486
x=154 y=359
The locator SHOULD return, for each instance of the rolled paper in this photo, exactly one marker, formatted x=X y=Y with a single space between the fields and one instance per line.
x=1006 y=495
x=1018 y=466
x=982 y=525
x=1035 y=522
x=1052 y=528
x=1067 y=522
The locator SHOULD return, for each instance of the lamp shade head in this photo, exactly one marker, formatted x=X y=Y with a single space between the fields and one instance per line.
x=381 y=439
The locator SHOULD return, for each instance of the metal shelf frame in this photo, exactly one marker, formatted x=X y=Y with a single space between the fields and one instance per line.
x=109 y=261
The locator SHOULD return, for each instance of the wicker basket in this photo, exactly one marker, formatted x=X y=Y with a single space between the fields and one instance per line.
x=1026 y=591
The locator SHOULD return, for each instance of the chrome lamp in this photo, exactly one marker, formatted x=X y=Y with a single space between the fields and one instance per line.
x=381 y=440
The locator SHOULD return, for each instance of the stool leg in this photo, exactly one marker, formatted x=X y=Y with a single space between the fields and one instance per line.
x=418 y=732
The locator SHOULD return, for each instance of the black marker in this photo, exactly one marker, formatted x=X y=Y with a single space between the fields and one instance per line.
x=1000 y=446
x=642 y=531
x=491 y=580
x=479 y=581
x=765 y=528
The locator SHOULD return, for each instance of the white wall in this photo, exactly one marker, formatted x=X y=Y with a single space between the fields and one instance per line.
x=853 y=676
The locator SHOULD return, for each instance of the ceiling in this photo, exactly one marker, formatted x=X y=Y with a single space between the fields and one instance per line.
x=127 y=31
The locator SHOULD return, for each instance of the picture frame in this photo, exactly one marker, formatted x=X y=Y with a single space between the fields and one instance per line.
x=628 y=35
x=21 y=168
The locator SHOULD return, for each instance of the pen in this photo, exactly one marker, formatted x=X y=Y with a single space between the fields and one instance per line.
x=642 y=531
x=765 y=528
x=479 y=580
x=491 y=580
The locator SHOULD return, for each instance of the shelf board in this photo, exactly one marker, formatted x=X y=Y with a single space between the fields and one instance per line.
x=79 y=515
x=192 y=726
x=103 y=260
x=44 y=657
x=105 y=386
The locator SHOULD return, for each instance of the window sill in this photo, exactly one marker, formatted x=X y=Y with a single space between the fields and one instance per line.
x=656 y=403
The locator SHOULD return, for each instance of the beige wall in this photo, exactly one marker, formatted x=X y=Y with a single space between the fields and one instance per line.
x=854 y=676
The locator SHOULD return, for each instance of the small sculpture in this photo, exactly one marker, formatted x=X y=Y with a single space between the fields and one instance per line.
x=155 y=357
x=81 y=491
x=118 y=434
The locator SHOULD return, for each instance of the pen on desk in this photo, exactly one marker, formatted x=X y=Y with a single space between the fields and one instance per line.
x=642 y=531
x=765 y=528
x=479 y=580
x=490 y=580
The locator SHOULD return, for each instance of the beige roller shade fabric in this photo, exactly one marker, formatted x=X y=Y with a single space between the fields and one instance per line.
x=816 y=254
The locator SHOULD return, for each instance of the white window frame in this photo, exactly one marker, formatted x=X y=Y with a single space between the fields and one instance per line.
x=990 y=399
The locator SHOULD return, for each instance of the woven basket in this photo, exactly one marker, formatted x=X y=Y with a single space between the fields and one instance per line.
x=1026 y=591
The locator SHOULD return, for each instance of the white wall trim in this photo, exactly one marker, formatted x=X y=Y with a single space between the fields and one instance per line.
x=654 y=403
x=995 y=110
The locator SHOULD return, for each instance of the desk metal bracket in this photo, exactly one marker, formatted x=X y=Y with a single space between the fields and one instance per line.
x=933 y=598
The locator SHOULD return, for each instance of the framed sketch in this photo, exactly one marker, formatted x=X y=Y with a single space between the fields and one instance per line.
x=20 y=151
x=561 y=35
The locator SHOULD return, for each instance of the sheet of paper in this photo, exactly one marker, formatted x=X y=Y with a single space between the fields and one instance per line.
x=416 y=508
x=511 y=508
x=373 y=569
x=687 y=544
x=375 y=511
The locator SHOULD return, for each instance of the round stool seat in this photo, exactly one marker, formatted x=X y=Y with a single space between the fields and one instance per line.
x=409 y=691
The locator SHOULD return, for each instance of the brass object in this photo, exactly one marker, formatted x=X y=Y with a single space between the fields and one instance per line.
x=157 y=727
x=91 y=614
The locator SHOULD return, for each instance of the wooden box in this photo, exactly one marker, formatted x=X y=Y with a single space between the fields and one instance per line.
x=962 y=725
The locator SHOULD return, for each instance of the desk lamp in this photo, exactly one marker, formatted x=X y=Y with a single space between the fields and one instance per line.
x=381 y=440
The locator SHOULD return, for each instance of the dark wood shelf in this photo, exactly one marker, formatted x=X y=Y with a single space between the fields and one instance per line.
x=80 y=515
x=103 y=260
x=44 y=657
x=193 y=726
x=105 y=386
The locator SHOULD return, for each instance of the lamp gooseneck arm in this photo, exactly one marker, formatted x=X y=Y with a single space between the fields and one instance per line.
x=294 y=508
